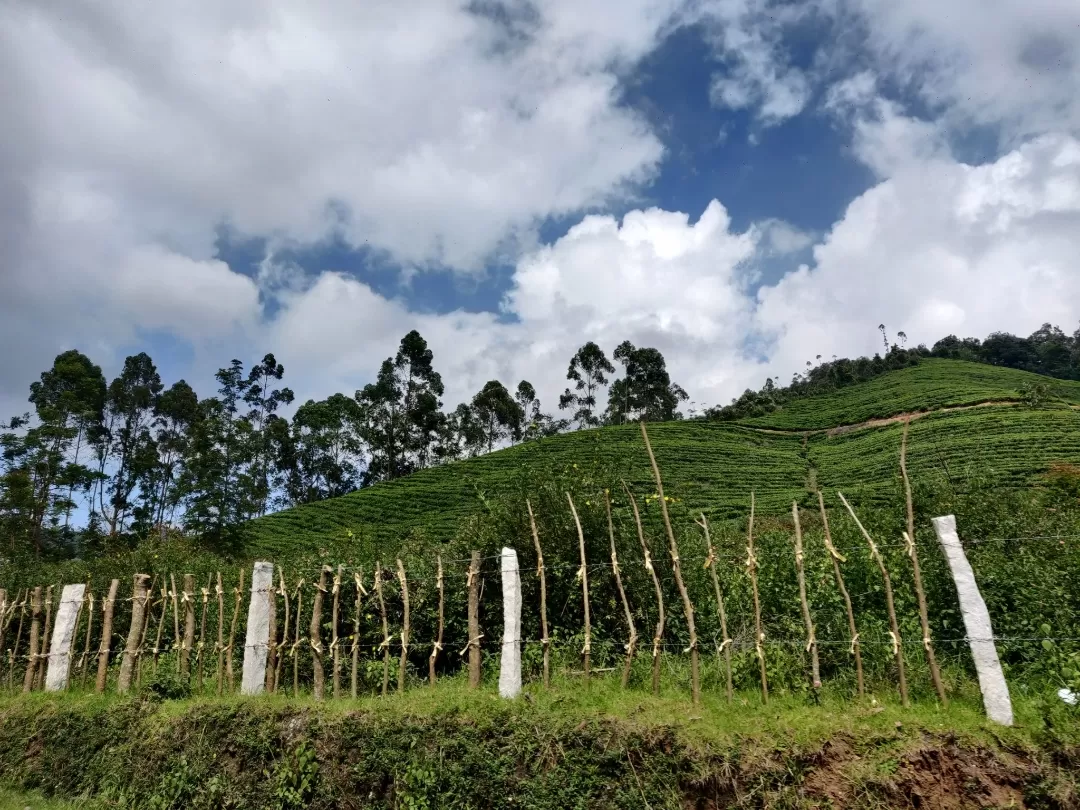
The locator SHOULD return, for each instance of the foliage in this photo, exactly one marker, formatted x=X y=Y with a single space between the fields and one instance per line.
x=588 y=369
x=645 y=392
x=293 y=780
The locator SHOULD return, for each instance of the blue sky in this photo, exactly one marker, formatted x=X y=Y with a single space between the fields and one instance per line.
x=742 y=184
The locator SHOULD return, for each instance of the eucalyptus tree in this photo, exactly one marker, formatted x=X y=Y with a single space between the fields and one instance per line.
x=588 y=369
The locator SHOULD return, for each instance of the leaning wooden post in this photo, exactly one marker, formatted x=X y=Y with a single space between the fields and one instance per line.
x=106 y=637
x=838 y=558
x=173 y=593
x=759 y=632
x=385 y=645
x=279 y=649
x=220 y=593
x=811 y=639
x=138 y=618
x=189 y=625
x=688 y=607
x=335 y=613
x=474 y=621
x=231 y=648
x=358 y=578
x=294 y=652
x=980 y=633
x=545 y=640
x=710 y=563
x=913 y=555
x=315 y=633
x=404 y=628
x=658 y=633
x=583 y=575
x=46 y=632
x=631 y=644
x=35 y=632
x=89 y=627
x=14 y=653
x=437 y=646
x=63 y=637
x=894 y=627
x=148 y=611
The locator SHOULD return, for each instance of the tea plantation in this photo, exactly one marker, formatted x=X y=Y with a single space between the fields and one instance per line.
x=713 y=467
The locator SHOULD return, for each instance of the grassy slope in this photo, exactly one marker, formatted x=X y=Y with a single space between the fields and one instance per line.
x=602 y=747
x=713 y=467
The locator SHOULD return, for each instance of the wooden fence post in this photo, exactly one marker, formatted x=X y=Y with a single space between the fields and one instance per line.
x=201 y=643
x=315 y=632
x=89 y=627
x=279 y=649
x=631 y=645
x=106 y=637
x=220 y=593
x=35 y=631
x=838 y=558
x=385 y=646
x=295 y=651
x=148 y=616
x=688 y=606
x=474 y=621
x=725 y=644
x=360 y=593
x=913 y=555
x=269 y=682
x=405 y=627
x=583 y=575
x=894 y=631
x=759 y=632
x=335 y=614
x=46 y=634
x=658 y=633
x=131 y=649
x=14 y=653
x=177 y=642
x=437 y=646
x=189 y=625
x=545 y=640
x=237 y=591
x=811 y=638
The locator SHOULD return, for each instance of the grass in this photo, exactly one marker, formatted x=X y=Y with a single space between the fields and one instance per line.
x=713 y=467
x=19 y=800
x=567 y=747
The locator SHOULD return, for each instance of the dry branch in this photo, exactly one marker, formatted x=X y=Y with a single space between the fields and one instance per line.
x=811 y=639
x=710 y=563
x=545 y=640
x=759 y=632
x=658 y=633
x=688 y=606
x=894 y=628
x=583 y=575
x=913 y=554
x=439 y=637
x=405 y=626
x=837 y=558
x=631 y=644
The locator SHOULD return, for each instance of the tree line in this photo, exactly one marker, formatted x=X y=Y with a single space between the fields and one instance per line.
x=129 y=457
x=1048 y=351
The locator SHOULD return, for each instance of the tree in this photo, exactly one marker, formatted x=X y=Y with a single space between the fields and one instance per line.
x=124 y=445
x=320 y=456
x=175 y=414
x=264 y=402
x=645 y=391
x=587 y=369
x=498 y=413
x=401 y=415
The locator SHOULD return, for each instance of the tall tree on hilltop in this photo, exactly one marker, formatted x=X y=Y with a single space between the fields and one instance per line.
x=263 y=402
x=536 y=423
x=124 y=445
x=498 y=413
x=645 y=391
x=175 y=414
x=587 y=371
x=401 y=411
x=320 y=455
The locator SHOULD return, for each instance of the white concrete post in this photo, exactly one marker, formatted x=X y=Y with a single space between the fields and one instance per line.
x=63 y=635
x=257 y=640
x=510 y=661
x=980 y=634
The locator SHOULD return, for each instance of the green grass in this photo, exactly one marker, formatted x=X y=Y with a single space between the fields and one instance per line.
x=930 y=385
x=713 y=467
x=19 y=800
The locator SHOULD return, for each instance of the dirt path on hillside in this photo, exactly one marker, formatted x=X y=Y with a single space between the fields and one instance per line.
x=886 y=420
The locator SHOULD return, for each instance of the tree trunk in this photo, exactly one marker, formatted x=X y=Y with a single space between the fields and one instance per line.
x=35 y=632
x=474 y=621
x=106 y=637
x=315 y=632
x=138 y=618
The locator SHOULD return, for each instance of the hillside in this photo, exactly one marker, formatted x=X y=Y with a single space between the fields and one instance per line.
x=714 y=466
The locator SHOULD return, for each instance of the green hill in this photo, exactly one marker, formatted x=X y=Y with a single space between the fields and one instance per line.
x=713 y=467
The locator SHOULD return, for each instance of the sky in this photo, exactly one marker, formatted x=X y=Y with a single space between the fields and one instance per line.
x=742 y=184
